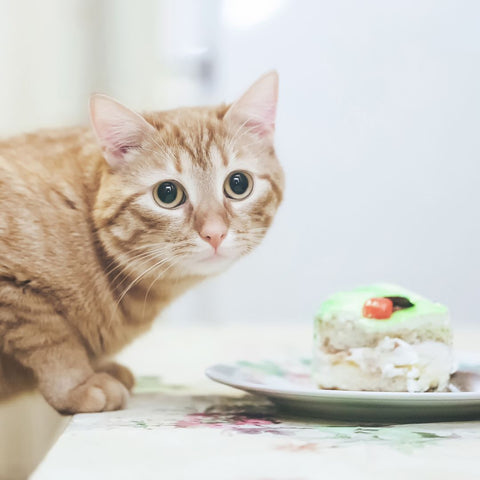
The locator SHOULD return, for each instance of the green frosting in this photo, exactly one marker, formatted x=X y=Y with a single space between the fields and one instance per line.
x=351 y=304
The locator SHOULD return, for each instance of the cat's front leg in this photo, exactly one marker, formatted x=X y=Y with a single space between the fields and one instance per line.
x=67 y=380
x=45 y=343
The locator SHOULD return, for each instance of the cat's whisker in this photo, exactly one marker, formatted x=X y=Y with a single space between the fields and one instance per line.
x=148 y=247
x=143 y=261
x=251 y=233
x=135 y=257
x=174 y=263
x=145 y=272
x=139 y=277
x=117 y=265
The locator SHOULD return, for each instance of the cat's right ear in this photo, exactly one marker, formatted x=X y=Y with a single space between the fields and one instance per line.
x=119 y=130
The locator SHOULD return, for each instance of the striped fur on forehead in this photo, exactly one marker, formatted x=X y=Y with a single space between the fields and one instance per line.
x=192 y=132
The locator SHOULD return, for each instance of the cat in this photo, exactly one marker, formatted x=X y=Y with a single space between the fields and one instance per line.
x=102 y=227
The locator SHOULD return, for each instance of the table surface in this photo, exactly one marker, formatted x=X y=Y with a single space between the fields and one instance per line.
x=180 y=425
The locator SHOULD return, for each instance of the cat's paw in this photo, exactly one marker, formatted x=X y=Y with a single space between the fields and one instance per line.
x=121 y=373
x=100 y=393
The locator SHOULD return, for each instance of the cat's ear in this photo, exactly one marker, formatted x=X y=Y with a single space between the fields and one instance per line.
x=257 y=107
x=119 y=130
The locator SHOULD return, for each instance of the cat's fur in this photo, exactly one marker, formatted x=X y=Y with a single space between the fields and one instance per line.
x=88 y=259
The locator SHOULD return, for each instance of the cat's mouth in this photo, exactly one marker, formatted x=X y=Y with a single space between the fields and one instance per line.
x=215 y=256
x=212 y=262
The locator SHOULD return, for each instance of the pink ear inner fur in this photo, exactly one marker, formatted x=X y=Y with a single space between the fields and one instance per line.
x=256 y=108
x=118 y=129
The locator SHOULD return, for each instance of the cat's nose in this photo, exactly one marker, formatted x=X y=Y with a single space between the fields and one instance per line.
x=214 y=233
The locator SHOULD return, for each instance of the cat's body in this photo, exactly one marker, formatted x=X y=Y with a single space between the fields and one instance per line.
x=47 y=197
x=89 y=255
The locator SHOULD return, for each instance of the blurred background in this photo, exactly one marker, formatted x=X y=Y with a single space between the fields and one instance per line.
x=378 y=129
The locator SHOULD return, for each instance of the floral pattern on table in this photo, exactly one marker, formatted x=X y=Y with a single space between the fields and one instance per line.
x=163 y=406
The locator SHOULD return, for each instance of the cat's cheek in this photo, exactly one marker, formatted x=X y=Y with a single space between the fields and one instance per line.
x=148 y=202
x=259 y=195
x=173 y=216
x=231 y=247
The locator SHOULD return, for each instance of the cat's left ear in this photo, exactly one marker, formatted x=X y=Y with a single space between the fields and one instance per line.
x=119 y=130
x=257 y=107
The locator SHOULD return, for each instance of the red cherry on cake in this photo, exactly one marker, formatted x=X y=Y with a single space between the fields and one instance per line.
x=378 y=308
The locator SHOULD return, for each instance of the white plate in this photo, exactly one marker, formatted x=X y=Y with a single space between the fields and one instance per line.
x=288 y=385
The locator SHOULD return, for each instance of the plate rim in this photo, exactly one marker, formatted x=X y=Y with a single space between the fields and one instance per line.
x=422 y=397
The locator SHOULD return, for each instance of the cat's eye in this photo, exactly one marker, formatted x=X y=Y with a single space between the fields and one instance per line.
x=238 y=185
x=169 y=194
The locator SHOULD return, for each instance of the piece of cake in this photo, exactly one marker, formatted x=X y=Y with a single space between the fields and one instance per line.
x=382 y=338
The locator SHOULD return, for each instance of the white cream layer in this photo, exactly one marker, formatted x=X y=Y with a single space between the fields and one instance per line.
x=392 y=365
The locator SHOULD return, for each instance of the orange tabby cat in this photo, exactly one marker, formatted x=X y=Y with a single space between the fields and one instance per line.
x=100 y=231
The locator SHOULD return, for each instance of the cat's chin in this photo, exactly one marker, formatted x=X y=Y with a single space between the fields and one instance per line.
x=210 y=265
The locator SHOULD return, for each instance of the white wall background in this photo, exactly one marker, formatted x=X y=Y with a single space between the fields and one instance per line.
x=378 y=128
x=379 y=134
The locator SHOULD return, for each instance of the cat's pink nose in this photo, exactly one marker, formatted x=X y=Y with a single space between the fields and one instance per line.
x=214 y=232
